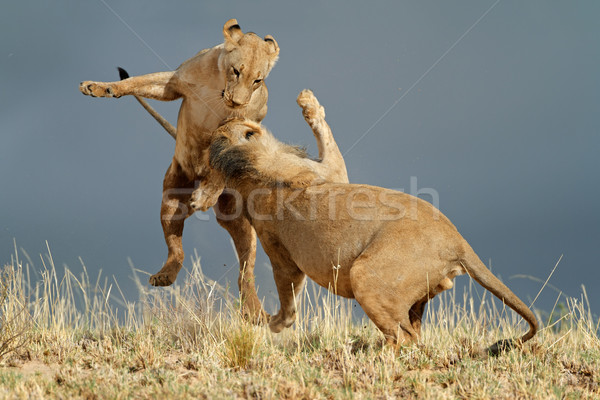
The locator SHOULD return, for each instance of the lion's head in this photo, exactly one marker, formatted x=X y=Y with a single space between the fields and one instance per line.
x=243 y=154
x=243 y=150
x=245 y=62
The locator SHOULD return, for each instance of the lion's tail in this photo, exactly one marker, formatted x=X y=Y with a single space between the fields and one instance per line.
x=478 y=271
x=159 y=118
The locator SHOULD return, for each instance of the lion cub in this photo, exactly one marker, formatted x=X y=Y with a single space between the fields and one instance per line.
x=392 y=251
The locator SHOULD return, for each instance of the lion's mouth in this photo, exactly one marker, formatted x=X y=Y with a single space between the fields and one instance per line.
x=233 y=105
x=228 y=101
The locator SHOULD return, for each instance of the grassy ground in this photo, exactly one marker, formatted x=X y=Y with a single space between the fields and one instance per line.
x=63 y=336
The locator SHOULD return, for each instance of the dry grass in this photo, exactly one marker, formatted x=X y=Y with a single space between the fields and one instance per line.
x=76 y=339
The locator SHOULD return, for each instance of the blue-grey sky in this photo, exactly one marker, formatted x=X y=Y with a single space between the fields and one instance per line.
x=494 y=104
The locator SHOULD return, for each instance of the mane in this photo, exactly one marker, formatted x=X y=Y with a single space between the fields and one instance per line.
x=265 y=162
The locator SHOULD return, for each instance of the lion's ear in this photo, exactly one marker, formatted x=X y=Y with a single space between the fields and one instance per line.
x=273 y=50
x=272 y=44
x=232 y=34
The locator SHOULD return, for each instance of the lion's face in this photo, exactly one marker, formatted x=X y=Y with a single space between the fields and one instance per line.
x=248 y=155
x=226 y=158
x=240 y=132
x=245 y=63
x=231 y=152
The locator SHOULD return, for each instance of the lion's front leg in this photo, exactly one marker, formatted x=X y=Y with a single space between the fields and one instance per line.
x=158 y=86
x=289 y=280
x=230 y=216
x=331 y=158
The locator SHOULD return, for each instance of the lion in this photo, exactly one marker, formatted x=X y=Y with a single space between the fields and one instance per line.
x=328 y=167
x=390 y=251
x=218 y=83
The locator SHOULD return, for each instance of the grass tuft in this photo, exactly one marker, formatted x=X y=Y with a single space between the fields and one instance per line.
x=15 y=321
x=239 y=345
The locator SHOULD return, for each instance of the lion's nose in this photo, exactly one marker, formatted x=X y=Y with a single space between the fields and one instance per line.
x=235 y=104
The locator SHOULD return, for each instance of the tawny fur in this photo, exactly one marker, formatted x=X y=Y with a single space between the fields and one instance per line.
x=390 y=251
x=218 y=83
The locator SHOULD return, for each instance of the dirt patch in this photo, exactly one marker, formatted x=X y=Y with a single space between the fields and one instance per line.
x=34 y=367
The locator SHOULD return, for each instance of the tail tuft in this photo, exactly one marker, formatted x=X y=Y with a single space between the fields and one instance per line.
x=500 y=347
x=122 y=73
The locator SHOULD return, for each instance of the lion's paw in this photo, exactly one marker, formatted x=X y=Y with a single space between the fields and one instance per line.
x=311 y=109
x=207 y=193
x=259 y=317
x=162 y=279
x=203 y=199
x=97 y=89
x=279 y=322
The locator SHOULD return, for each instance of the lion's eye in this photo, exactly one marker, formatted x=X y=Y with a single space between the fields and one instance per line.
x=235 y=71
x=257 y=81
x=249 y=134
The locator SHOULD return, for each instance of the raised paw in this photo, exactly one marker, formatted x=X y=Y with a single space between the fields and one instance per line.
x=311 y=109
x=97 y=89
x=162 y=279
x=207 y=193
x=201 y=201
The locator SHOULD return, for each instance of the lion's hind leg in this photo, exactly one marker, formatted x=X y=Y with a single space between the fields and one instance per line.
x=177 y=189
x=329 y=153
x=384 y=302
x=415 y=314
x=393 y=290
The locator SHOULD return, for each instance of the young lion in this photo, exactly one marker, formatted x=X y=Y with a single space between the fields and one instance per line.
x=216 y=84
x=390 y=251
